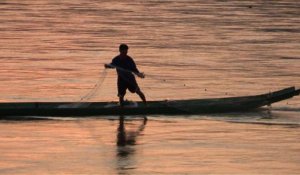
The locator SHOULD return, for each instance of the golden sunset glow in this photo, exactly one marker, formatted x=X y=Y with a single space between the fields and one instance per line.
x=55 y=51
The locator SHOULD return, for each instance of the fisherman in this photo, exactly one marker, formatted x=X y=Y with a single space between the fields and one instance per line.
x=126 y=67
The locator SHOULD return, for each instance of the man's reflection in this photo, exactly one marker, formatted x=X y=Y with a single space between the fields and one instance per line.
x=125 y=144
x=124 y=137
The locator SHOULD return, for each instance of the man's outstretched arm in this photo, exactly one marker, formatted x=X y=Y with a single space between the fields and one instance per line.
x=109 y=66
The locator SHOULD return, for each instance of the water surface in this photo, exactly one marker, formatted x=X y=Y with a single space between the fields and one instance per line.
x=55 y=51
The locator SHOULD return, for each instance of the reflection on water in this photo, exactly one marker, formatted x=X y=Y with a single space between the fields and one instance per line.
x=126 y=140
x=169 y=145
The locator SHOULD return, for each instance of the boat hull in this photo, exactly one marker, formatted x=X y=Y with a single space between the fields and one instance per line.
x=174 y=107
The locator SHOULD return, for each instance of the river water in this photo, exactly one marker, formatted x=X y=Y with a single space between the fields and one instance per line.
x=55 y=51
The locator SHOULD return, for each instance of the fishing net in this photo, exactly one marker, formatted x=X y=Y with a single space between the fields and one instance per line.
x=83 y=102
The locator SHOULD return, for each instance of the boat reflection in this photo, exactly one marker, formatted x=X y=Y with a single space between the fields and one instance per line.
x=126 y=141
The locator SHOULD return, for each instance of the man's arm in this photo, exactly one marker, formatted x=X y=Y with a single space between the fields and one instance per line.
x=135 y=70
x=110 y=66
x=140 y=74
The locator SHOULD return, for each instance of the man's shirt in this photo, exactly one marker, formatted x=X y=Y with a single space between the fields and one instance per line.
x=126 y=63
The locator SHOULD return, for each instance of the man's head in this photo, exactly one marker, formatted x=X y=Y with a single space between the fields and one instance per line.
x=123 y=48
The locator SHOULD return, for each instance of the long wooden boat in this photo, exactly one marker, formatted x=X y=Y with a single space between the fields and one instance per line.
x=192 y=106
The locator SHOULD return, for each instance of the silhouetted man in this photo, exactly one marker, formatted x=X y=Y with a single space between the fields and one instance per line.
x=126 y=68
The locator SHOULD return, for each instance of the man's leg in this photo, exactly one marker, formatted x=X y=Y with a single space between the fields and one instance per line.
x=121 y=100
x=134 y=88
x=141 y=94
x=121 y=91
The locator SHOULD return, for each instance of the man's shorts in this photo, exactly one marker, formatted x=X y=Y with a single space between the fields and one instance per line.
x=129 y=84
